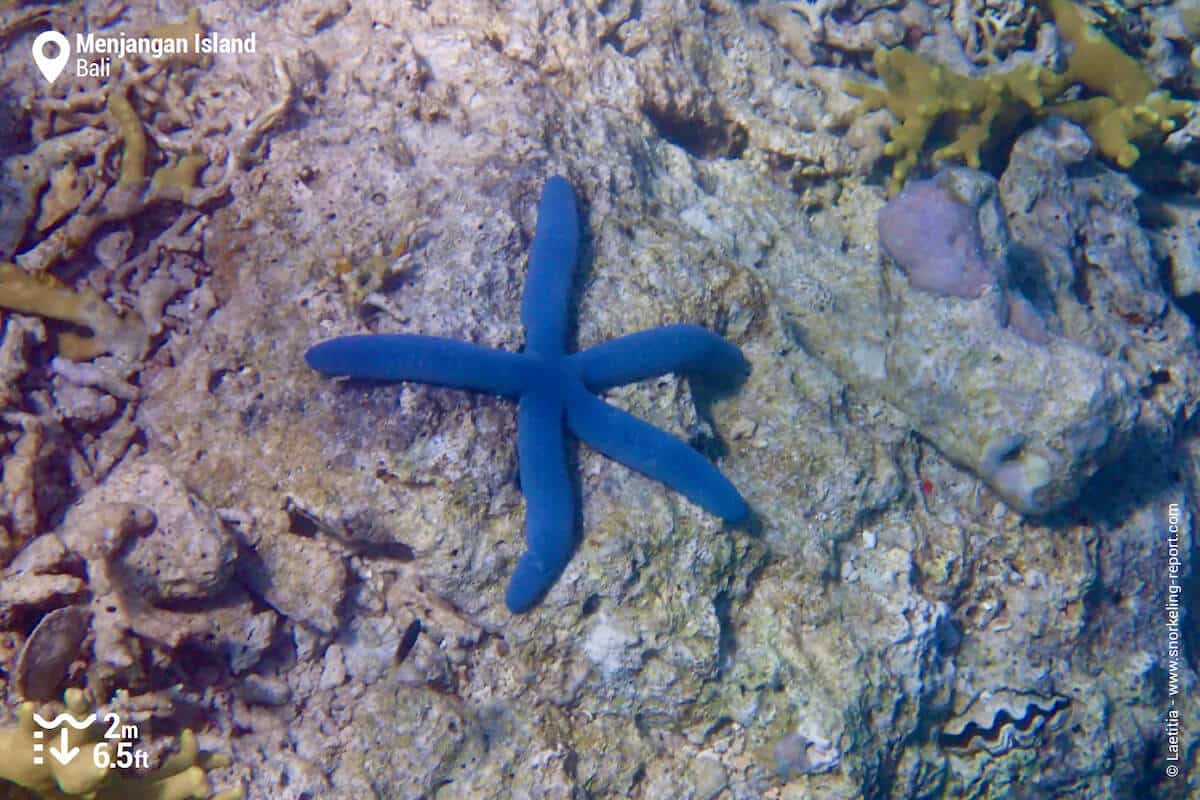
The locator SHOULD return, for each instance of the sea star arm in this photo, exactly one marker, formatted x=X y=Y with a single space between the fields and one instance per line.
x=549 y=502
x=426 y=359
x=552 y=259
x=671 y=348
x=657 y=454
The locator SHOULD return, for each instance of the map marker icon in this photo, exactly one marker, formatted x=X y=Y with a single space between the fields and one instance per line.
x=51 y=67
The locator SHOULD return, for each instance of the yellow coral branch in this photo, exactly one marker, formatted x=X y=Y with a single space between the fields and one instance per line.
x=45 y=297
x=133 y=137
x=976 y=111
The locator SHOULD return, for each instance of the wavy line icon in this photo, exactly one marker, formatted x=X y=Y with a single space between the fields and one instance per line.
x=67 y=718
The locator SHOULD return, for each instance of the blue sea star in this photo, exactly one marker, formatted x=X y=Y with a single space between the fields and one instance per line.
x=552 y=387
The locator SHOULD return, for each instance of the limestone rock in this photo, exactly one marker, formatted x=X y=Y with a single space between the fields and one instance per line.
x=1083 y=252
x=298 y=577
x=967 y=381
x=190 y=554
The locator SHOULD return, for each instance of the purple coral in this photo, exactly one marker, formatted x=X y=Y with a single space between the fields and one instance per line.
x=935 y=239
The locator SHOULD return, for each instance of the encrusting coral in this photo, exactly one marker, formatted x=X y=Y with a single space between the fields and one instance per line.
x=183 y=775
x=976 y=111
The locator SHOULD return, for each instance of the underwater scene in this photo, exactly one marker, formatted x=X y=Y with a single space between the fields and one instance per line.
x=580 y=399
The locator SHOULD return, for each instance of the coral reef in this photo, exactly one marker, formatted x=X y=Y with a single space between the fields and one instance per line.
x=1178 y=243
x=936 y=239
x=102 y=246
x=331 y=553
x=1084 y=254
x=920 y=94
x=897 y=586
x=158 y=578
x=302 y=579
x=970 y=385
x=1126 y=108
x=99 y=156
x=106 y=155
x=990 y=30
x=812 y=29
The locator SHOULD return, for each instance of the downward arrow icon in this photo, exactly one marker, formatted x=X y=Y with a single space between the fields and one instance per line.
x=67 y=754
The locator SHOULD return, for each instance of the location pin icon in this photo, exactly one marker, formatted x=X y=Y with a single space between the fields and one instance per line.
x=51 y=67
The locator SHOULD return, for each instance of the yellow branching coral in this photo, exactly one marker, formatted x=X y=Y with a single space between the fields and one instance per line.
x=189 y=29
x=923 y=95
x=67 y=190
x=42 y=295
x=178 y=181
x=133 y=139
x=182 y=776
x=1127 y=108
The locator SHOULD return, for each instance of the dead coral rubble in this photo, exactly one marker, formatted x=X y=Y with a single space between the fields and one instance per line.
x=105 y=156
x=148 y=580
x=991 y=29
x=89 y=601
x=134 y=557
x=101 y=156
